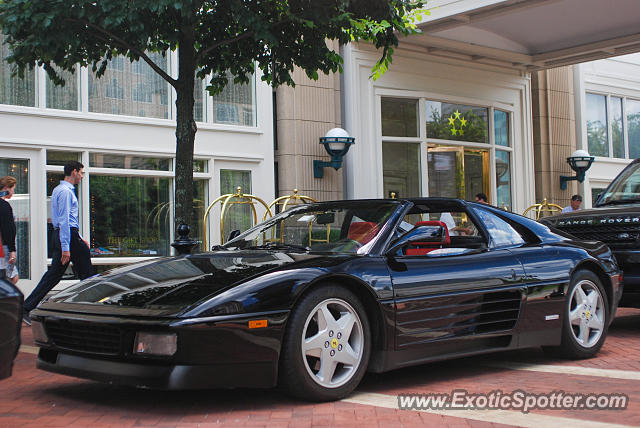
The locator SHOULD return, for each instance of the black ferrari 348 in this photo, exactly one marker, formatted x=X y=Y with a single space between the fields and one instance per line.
x=317 y=295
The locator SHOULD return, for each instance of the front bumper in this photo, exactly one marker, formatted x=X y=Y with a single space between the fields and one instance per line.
x=213 y=352
x=174 y=377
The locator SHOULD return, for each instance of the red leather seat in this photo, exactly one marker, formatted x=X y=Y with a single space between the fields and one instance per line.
x=362 y=231
x=423 y=248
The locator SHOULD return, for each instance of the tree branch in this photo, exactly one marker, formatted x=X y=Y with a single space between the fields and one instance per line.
x=244 y=35
x=209 y=48
x=124 y=44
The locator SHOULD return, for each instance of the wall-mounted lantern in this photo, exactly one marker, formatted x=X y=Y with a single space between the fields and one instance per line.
x=337 y=143
x=579 y=161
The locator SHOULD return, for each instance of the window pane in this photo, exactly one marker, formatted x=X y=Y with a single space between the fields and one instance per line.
x=200 y=203
x=235 y=105
x=60 y=158
x=130 y=88
x=399 y=117
x=502 y=234
x=239 y=216
x=105 y=160
x=13 y=90
x=445 y=171
x=616 y=127
x=597 y=125
x=20 y=204
x=198 y=96
x=401 y=164
x=501 y=124
x=63 y=97
x=503 y=179
x=595 y=194
x=129 y=216
x=457 y=122
x=199 y=165
x=633 y=123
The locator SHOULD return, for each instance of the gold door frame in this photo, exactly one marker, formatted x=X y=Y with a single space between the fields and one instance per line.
x=460 y=166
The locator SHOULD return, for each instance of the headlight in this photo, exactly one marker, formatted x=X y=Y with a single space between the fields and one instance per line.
x=39 y=334
x=165 y=344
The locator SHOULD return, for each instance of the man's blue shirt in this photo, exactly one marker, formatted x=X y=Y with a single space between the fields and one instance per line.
x=64 y=211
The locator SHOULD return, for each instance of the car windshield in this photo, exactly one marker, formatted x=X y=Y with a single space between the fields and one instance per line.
x=624 y=189
x=335 y=227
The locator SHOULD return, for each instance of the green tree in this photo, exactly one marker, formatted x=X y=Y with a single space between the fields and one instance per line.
x=211 y=37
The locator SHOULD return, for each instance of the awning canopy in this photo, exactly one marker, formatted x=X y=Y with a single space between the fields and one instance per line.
x=529 y=34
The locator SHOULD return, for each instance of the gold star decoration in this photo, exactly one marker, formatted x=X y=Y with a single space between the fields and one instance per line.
x=452 y=121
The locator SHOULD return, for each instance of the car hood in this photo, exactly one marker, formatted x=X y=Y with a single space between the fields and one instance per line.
x=169 y=285
x=614 y=214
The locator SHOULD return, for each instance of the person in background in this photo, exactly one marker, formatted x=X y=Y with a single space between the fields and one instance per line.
x=482 y=198
x=8 y=228
x=68 y=245
x=576 y=201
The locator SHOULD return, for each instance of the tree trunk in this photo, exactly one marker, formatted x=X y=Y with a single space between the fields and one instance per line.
x=185 y=133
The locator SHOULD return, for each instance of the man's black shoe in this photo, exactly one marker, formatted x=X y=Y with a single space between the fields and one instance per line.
x=25 y=318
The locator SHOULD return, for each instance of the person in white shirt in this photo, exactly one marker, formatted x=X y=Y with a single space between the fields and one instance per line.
x=576 y=201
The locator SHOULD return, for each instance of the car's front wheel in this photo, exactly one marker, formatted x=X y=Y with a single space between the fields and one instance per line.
x=585 y=325
x=327 y=345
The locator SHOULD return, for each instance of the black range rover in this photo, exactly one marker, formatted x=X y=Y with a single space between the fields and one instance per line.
x=614 y=220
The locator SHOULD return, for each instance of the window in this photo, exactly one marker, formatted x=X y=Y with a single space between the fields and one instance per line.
x=399 y=117
x=132 y=89
x=633 y=125
x=20 y=204
x=14 y=90
x=447 y=121
x=503 y=179
x=502 y=233
x=235 y=104
x=401 y=164
x=55 y=161
x=108 y=160
x=478 y=144
x=613 y=126
x=63 y=97
x=130 y=216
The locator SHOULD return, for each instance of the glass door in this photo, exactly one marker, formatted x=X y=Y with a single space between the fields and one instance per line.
x=458 y=172
x=18 y=164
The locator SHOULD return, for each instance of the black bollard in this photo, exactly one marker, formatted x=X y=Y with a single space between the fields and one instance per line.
x=184 y=244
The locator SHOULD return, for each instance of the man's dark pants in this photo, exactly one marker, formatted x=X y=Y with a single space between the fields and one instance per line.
x=80 y=257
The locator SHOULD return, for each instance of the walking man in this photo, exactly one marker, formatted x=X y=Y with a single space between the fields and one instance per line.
x=68 y=245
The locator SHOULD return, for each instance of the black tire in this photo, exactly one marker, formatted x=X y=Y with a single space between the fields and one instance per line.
x=297 y=372
x=574 y=344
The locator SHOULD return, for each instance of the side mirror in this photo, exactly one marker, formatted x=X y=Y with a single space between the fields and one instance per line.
x=233 y=234
x=423 y=234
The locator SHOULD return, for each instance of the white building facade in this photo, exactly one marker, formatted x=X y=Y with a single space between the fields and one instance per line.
x=437 y=127
x=607 y=117
x=122 y=128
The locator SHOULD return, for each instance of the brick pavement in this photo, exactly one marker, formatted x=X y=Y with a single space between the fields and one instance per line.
x=33 y=398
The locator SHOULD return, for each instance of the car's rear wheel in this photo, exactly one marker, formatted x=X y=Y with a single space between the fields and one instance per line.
x=327 y=345
x=585 y=325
